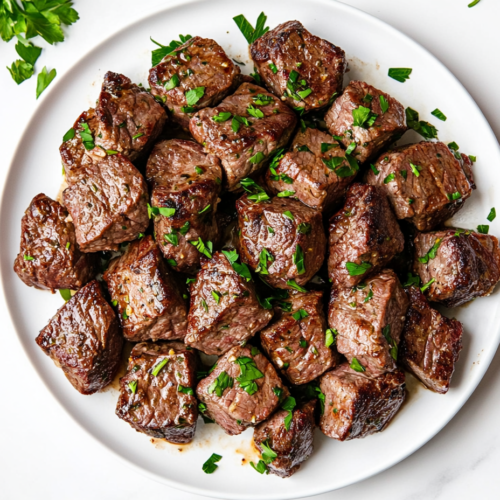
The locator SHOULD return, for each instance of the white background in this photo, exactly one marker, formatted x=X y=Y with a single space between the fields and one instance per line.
x=44 y=455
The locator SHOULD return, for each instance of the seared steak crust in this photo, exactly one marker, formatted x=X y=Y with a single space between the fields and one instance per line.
x=429 y=198
x=224 y=309
x=364 y=230
x=307 y=170
x=127 y=120
x=200 y=62
x=357 y=405
x=293 y=446
x=150 y=305
x=291 y=48
x=268 y=226
x=84 y=339
x=466 y=265
x=369 y=321
x=108 y=204
x=183 y=177
x=49 y=257
x=235 y=409
x=159 y=400
x=297 y=346
x=370 y=137
x=130 y=119
x=430 y=343
x=245 y=151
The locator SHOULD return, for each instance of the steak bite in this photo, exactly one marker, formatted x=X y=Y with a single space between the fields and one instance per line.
x=430 y=343
x=84 y=339
x=457 y=265
x=242 y=390
x=149 y=302
x=49 y=257
x=364 y=236
x=367 y=117
x=127 y=120
x=296 y=342
x=157 y=392
x=108 y=204
x=195 y=75
x=291 y=441
x=357 y=405
x=304 y=70
x=368 y=320
x=281 y=239
x=244 y=130
x=183 y=177
x=315 y=170
x=424 y=182
x=225 y=311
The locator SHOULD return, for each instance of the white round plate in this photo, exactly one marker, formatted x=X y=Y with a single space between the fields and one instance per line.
x=371 y=47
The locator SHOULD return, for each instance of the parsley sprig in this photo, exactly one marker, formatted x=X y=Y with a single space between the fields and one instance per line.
x=158 y=54
x=249 y=32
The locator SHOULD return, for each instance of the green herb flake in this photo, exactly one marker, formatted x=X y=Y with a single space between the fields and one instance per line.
x=250 y=186
x=300 y=314
x=242 y=269
x=210 y=466
x=43 y=80
x=431 y=254
x=425 y=129
x=331 y=337
x=223 y=116
x=158 y=367
x=415 y=169
x=136 y=136
x=357 y=366
x=185 y=390
x=492 y=215
x=206 y=209
x=368 y=297
x=288 y=405
x=390 y=178
x=457 y=195
x=304 y=228
x=289 y=215
x=400 y=74
x=427 y=285
x=205 y=249
x=268 y=454
x=439 y=114
x=363 y=117
x=172 y=83
x=293 y=284
x=357 y=269
x=158 y=54
x=249 y=32
x=412 y=280
x=65 y=293
x=298 y=260
x=220 y=384
x=472 y=4
x=261 y=467
x=69 y=135
x=132 y=385
x=28 y=257
x=194 y=95
x=374 y=169
x=453 y=146
x=249 y=373
x=384 y=104
x=257 y=158
x=483 y=228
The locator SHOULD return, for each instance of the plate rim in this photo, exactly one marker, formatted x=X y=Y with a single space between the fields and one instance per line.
x=161 y=9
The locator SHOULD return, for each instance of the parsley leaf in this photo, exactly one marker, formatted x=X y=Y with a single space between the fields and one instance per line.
x=242 y=269
x=363 y=117
x=431 y=254
x=44 y=79
x=492 y=215
x=425 y=129
x=357 y=366
x=293 y=284
x=194 y=95
x=384 y=104
x=300 y=314
x=268 y=454
x=250 y=186
x=427 y=285
x=210 y=466
x=412 y=280
x=249 y=32
x=483 y=228
x=27 y=51
x=205 y=249
x=20 y=71
x=386 y=331
x=357 y=269
x=185 y=390
x=222 y=116
x=264 y=257
x=220 y=384
x=288 y=405
x=261 y=467
x=249 y=373
x=172 y=83
x=255 y=112
x=158 y=367
x=439 y=114
x=331 y=337
x=400 y=74
x=158 y=54
x=298 y=260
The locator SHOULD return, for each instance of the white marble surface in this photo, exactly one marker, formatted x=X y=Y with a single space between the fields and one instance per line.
x=44 y=455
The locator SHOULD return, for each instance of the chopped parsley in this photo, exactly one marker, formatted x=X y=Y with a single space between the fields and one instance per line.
x=237 y=121
x=300 y=314
x=384 y=104
x=185 y=390
x=249 y=373
x=492 y=215
x=289 y=215
x=158 y=367
x=288 y=405
x=172 y=83
x=204 y=248
x=210 y=466
x=285 y=194
x=262 y=99
x=172 y=238
x=273 y=67
x=65 y=293
x=374 y=169
x=386 y=331
x=165 y=211
x=216 y=295
x=257 y=193
x=368 y=297
x=415 y=169
x=431 y=254
x=132 y=385
x=412 y=280
x=28 y=257
x=357 y=366
x=439 y=114
x=331 y=337
x=472 y=4
x=268 y=455
x=363 y=117
x=357 y=269
x=425 y=129
x=400 y=74
x=194 y=95
x=69 y=135
x=304 y=228
x=87 y=137
x=255 y=112
x=257 y=158
x=457 y=195
x=427 y=285
x=483 y=228
x=223 y=116
x=158 y=54
x=261 y=467
x=293 y=284
x=220 y=384
x=390 y=178
x=298 y=260
x=242 y=269
x=206 y=209
x=264 y=257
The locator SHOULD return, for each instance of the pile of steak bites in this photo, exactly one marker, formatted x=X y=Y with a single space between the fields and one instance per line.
x=256 y=219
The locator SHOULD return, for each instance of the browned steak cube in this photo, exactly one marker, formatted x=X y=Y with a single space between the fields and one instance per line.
x=150 y=304
x=367 y=117
x=424 y=182
x=315 y=170
x=108 y=204
x=430 y=343
x=364 y=236
x=157 y=392
x=49 y=257
x=296 y=341
x=195 y=75
x=183 y=177
x=290 y=439
x=281 y=239
x=242 y=390
x=224 y=309
x=457 y=265
x=84 y=339
x=244 y=130
x=299 y=67
x=368 y=320
x=127 y=120
x=357 y=405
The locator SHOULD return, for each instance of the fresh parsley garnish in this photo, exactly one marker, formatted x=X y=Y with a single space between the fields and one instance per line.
x=69 y=135
x=483 y=228
x=492 y=215
x=65 y=293
x=300 y=314
x=390 y=178
x=293 y=284
x=158 y=54
x=288 y=405
x=261 y=467
x=158 y=367
x=427 y=285
x=210 y=466
x=472 y=4
x=249 y=373
x=357 y=366
x=249 y=32
x=386 y=331
x=204 y=248
x=384 y=104
x=222 y=116
x=172 y=83
x=331 y=337
x=264 y=258
x=412 y=280
x=220 y=384
x=425 y=129
x=285 y=194
x=257 y=158
x=242 y=269
x=185 y=390
x=304 y=228
x=431 y=254
x=298 y=260
x=257 y=193
x=374 y=169
x=439 y=114
x=363 y=117
x=357 y=269
x=400 y=74
x=165 y=211
x=194 y=95
x=268 y=454
x=255 y=112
